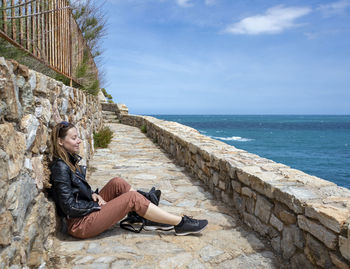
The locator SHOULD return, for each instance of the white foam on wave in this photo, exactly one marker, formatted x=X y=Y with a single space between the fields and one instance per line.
x=233 y=138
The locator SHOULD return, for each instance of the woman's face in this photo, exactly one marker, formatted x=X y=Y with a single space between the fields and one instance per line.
x=71 y=141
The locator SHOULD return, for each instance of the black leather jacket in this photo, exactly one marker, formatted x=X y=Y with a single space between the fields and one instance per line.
x=70 y=191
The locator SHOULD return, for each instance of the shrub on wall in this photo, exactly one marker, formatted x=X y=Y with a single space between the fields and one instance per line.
x=103 y=137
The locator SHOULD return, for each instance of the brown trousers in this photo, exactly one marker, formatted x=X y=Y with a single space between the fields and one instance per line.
x=120 y=201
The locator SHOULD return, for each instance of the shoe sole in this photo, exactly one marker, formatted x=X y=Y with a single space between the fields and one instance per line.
x=196 y=232
x=157 y=228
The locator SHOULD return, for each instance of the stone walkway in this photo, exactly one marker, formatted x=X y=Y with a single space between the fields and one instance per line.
x=226 y=243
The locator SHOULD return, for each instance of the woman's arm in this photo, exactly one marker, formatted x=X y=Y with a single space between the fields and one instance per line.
x=67 y=200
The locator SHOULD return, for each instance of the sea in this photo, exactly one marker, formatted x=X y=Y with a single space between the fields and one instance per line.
x=318 y=145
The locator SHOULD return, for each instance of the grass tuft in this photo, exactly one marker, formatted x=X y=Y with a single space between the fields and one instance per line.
x=103 y=137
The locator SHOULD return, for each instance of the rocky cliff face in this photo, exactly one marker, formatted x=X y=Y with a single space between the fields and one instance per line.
x=30 y=105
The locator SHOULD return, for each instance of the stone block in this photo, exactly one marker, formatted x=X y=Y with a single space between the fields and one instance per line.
x=12 y=146
x=275 y=222
x=294 y=196
x=19 y=196
x=248 y=192
x=263 y=209
x=249 y=204
x=222 y=185
x=317 y=252
x=256 y=224
x=236 y=186
x=41 y=88
x=287 y=243
x=6 y=223
x=238 y=202
x=330 y=216
x=300 y=261
x=9 y=92
x=338 y=261
x=276 y=244
x=38 y=171
x=319 y=231
x=215 y=178
x=26 y=97
x=29 y=124
x=283 y=214
x=39 y=224
x=41 y=139
x=344 y=246
x=43 y=110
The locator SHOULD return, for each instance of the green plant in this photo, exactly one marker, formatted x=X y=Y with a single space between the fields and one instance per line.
x=103 y=137
x=143 y=129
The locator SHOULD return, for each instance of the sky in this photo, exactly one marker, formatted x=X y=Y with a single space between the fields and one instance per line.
x=228 y=56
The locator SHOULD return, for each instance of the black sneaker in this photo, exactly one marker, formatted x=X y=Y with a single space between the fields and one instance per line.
x=190 y=226
x=153 y=226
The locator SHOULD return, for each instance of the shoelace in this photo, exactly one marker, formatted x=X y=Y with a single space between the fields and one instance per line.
x=190 y=219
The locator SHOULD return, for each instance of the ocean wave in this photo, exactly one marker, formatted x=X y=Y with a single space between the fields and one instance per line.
x=233 y=138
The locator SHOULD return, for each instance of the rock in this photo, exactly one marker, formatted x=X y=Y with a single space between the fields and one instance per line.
x=23 y=71
x=9 y=92
x=284 y=215
x=41 y=88
x=300 y=261
x=317 y=253
x=41 y=139
x=330 y=216
x=39 y=225
x=19 y=196
x=158 y=246
x=276 y=244
x=263 y=209
x=320 y=232
x=176 y=261
x=344 y=245
x=257 y=261
x=6 y=223
x=38 y=170
x=101 y=97
x=287 y=243
x=236 y=186
x=339 y=262
x=248 y=192
x=275 y=222
x=294 y=196
x=29 y=124
x=209 y=252
x=12 y=146
x=26 y=95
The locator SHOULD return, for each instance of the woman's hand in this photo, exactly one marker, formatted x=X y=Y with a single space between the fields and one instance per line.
x=97 y=198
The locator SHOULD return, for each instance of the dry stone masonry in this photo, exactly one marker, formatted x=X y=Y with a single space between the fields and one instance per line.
x=30 y=105
x=306 y=219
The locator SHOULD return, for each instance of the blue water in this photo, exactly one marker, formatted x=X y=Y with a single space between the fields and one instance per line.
x=317 y=145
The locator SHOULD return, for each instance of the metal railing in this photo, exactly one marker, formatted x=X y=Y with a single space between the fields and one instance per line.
x=47 y=30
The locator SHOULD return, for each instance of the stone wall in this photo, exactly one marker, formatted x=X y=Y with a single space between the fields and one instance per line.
x=305 y=218
x=30 y=105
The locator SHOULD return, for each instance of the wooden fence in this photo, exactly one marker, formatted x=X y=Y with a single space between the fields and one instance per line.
x=47 y=30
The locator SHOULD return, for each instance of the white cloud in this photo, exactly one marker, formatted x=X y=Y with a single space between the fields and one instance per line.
x=334 y=8
x=184 y=3
x=188 y=3
x=210 y=2
x=274 y=21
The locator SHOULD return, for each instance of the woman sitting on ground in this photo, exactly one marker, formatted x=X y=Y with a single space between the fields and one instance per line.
x=90 y=213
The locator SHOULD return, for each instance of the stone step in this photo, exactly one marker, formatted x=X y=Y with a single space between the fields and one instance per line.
x=108 y=112
x=110 y=116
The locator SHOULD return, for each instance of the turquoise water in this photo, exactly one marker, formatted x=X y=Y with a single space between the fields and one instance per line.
x=317 y=145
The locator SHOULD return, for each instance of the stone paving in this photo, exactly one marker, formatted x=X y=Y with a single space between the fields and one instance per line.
x=226 y=243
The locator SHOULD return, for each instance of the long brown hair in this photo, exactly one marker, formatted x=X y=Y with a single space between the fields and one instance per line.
x=60 y=131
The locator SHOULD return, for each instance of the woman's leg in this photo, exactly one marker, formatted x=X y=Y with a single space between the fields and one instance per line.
x=115 y=187
x=156 y=214
x=109 y=214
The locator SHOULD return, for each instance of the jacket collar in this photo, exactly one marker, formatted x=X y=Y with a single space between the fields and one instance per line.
x=74 y=158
